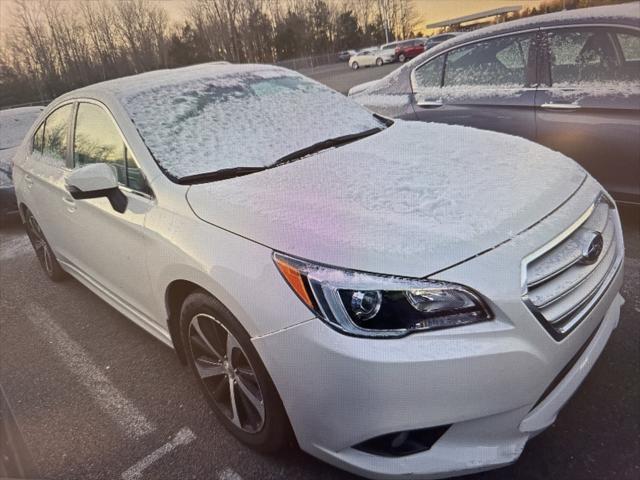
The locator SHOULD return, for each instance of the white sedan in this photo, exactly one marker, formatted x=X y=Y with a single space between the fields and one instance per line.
x=367 y=58
x=404 y=299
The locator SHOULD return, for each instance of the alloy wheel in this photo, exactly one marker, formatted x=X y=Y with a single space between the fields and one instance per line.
x=227 y=374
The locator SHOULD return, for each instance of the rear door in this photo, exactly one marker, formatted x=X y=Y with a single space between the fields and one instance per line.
x=44 y=178
x=110 y=247
x=488 y=84
x=589 y=104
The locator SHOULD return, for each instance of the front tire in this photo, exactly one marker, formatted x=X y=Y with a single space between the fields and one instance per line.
x=402 y=58
x=41 y=246
x=231 y=375
x=379 y=62
x=355 y=66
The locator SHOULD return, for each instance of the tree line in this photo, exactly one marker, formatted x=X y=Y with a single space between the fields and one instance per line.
x=54 y=47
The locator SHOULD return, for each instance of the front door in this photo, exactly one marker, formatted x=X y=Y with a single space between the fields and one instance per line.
x=488 y=84
x=109 y=247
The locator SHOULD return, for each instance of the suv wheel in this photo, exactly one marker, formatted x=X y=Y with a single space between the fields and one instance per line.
x=402 y=58
x=45 y=255
x=231 y=375
x=379 y=62
x=355 y=65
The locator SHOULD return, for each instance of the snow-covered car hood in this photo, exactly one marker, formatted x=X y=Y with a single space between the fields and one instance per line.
x=361 y=87
x=411 y=200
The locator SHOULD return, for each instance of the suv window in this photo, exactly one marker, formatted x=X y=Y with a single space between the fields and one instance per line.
x=502 y=61
x=588 y=55
x=56 y=130
x=98 y=140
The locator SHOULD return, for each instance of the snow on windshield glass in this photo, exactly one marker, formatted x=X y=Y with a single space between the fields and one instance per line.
x=248 y=119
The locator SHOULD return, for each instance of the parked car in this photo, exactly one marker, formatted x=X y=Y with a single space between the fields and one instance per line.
x=409 y=49
x=568 y=80
x=345 y=55
x=438 y=39
x=14 y=124
x=366 y=58
x=398 y=296
x=388 y=52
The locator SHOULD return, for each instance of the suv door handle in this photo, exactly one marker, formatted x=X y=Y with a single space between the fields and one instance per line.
x=430 y=103
x=28 y=180
x=560 y=106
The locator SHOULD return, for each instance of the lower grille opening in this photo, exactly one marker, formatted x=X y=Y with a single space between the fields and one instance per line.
x=401 y=444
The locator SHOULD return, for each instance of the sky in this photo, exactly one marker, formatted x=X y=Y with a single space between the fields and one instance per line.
x=429 y=11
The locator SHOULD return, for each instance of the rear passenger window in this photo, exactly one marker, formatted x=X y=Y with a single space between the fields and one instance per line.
x=98 y=140
x=630 y=46
x=56 y=131
x=584 y=56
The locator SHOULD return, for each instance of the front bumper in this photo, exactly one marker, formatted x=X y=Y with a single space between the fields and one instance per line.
x=489 y=381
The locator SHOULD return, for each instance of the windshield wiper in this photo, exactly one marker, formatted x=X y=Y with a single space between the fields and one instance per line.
x=323 y=145
x=223 y=174
x=226 y=173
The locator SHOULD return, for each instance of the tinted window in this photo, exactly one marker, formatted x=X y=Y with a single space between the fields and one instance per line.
x=583 y=55
x=56 y=129
x=430 y=74
x=499 y=62
x=98 y=140
x=38 y=140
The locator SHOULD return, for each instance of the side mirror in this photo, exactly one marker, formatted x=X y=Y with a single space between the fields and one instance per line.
x=94 y=181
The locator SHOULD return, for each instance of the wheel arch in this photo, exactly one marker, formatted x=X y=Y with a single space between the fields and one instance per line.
x=175 y=294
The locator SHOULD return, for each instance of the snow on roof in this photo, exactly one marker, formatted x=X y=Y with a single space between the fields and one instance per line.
x=132 y=84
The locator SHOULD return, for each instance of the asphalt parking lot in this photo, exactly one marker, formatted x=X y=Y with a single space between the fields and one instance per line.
x=96 y=397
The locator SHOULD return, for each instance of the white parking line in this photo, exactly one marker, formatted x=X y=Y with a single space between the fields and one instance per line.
x=108 y=397
x=229 y=474
x=183 y=437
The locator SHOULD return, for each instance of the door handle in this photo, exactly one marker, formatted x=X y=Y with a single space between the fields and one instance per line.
x=430 y=103
x=71 y=203
x=560 y=106
x=28 y=180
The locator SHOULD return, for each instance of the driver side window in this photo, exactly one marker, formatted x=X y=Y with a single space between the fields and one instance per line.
x=98 y=140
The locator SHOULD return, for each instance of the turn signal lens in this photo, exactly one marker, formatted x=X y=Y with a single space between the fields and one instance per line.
x=295 y=281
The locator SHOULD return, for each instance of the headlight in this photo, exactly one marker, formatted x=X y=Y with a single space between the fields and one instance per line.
x=369 y=305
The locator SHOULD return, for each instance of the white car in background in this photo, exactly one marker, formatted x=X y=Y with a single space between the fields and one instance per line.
x=405 y=299
x=14 y=124
x=366 y=58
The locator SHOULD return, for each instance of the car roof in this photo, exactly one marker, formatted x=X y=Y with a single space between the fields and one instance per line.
x=625 y=14
x=132 y=84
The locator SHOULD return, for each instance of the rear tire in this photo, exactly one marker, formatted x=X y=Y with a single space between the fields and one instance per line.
x=231 y=375
x=43 y=250
x=355 y=66
x=402 y=58
x=379 y=62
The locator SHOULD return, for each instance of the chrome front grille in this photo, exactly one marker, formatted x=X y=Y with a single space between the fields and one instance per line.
x=565 y=279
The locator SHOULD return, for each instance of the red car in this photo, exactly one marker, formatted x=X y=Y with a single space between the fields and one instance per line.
x=410 y=48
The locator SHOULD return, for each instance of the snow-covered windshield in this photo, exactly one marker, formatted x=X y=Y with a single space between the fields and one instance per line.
x=246 y=119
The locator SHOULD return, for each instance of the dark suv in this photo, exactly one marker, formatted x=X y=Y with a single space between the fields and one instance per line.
x=567 y=80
